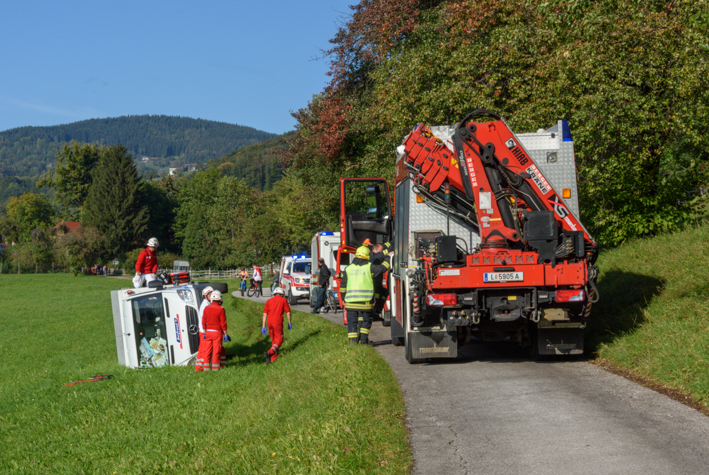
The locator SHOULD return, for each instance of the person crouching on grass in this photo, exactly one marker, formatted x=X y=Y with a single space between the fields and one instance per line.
x=214 y=323
x=273 y=315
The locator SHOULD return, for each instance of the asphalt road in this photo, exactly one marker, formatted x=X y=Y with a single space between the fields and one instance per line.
x=494 y=411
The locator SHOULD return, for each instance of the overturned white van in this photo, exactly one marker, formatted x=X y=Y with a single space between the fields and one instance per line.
x=157 y=327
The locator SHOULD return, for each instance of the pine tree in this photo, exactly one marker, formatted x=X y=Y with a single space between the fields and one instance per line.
x=114 y=204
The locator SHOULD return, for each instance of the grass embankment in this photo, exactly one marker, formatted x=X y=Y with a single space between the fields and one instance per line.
x=653 y=317
x=323 y=407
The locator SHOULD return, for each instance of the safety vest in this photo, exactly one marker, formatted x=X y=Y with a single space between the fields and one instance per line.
x=360 y=287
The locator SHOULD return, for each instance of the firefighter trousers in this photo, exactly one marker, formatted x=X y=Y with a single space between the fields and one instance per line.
x=359 y=322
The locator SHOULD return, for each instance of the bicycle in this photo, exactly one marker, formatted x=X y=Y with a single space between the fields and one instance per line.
x=330 y=301
x=254 y=290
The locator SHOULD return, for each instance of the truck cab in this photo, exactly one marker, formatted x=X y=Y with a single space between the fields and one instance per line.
x=295 y=277
x=156 y=327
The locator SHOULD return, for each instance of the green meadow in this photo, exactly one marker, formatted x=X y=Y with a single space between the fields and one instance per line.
x=653 y=316
x=323 y=407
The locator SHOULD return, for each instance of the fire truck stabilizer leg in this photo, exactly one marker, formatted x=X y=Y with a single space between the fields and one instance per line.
x=560 y=341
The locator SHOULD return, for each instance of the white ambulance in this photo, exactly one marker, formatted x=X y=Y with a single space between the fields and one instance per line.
x=324 y=244
x=295 y=277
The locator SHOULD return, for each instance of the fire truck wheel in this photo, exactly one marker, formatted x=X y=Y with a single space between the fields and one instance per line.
x=409 y=347
x=386 y=318
x=222 y=287
x=398 y=341
x=534 y=343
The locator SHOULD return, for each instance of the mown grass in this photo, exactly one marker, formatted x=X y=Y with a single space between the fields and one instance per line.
x=653 y=316
x=323 y=407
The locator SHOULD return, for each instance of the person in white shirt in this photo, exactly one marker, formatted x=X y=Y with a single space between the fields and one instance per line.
x=257 y=279
x=205 y=303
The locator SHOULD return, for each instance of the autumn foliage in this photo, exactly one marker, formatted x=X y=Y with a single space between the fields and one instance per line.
x=630 y=77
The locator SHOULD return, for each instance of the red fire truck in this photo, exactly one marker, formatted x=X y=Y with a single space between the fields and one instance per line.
x=487 y=238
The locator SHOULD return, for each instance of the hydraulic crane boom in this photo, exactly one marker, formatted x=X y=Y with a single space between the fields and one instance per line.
x=493 y=175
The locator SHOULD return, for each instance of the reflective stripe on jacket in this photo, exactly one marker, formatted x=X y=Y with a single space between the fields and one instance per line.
x=360 y=286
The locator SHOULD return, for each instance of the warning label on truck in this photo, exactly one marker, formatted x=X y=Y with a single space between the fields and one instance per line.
x=538 y=179
x=449 y=272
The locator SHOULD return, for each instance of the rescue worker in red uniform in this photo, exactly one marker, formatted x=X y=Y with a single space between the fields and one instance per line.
x=214 y=323
x=273 y=316
x=206 y=293
x=146 y=267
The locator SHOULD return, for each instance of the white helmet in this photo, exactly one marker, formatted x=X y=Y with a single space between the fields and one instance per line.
x=279 y=291
x=216 y=295
x=153 y=242
x=206 y=290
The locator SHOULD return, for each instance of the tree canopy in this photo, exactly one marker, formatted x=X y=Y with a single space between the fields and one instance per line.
x=628 y=76
x=71 y=179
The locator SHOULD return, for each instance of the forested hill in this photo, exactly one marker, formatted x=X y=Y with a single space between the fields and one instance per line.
x=258 y=165
x=30 y=151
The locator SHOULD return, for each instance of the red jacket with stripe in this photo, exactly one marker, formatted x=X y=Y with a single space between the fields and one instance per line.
x=214 y=318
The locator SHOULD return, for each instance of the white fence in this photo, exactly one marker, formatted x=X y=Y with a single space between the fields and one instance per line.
x=210 y=274
x=214 y=274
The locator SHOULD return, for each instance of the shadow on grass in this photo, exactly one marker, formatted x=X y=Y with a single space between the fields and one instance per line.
x=621 y=308
x=242 y=355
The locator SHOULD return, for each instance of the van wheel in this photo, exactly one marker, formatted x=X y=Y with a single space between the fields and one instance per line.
x=291 y=299
x=386 y=318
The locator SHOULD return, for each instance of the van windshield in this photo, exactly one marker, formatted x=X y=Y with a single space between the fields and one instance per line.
x=303 y=267
x=150 y=330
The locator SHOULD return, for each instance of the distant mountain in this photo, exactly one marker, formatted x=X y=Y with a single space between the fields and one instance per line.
x=30 y=151
x=258 y=165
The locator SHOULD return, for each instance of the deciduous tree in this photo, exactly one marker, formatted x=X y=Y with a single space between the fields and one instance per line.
x=27 y=213
x=71 y=179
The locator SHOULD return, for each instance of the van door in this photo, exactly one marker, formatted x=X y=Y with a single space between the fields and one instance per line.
x=365 y=212
x=149 y=331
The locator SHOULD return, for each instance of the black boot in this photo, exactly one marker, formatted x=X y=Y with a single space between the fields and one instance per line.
x=267 y=357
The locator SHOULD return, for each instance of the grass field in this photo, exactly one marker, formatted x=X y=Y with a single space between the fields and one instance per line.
x=323 y=407
x=653 y=316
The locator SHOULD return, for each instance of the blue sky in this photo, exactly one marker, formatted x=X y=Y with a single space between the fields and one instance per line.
x=247 y=63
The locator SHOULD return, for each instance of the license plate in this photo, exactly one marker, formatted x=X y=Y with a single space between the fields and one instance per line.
x=503 y=276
